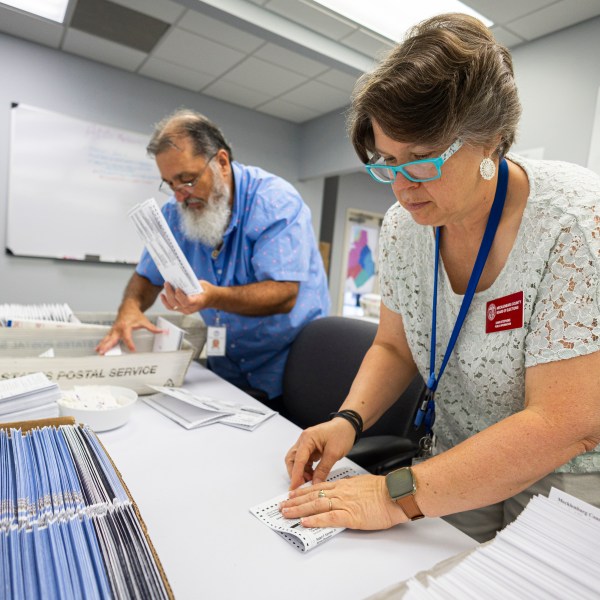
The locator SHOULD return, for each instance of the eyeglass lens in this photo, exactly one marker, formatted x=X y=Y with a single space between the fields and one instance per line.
x=421 y=170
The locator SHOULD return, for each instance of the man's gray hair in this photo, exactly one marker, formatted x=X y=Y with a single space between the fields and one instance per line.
x=186 y=123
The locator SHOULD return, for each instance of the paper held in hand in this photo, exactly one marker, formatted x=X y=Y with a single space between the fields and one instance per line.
x=162 y=247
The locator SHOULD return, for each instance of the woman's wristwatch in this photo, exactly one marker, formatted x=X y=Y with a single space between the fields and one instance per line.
x=402 y=488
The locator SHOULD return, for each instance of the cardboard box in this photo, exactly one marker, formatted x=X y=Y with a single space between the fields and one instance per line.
x=75 y=361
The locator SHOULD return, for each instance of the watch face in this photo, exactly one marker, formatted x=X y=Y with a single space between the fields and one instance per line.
x=400 y=483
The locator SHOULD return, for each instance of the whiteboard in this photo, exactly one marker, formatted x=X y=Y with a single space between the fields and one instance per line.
x=71 y=184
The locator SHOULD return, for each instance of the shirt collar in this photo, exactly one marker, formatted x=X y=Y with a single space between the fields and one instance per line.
x=236 y=171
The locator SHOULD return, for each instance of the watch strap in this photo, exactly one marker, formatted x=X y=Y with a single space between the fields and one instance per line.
x=409 y=506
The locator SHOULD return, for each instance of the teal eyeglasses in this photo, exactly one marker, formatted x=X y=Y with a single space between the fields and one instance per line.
x=418 y=171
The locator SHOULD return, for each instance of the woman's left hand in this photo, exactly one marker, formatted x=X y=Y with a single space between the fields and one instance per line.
x=361 y=502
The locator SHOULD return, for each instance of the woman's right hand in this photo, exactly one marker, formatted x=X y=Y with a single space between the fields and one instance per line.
x=326 y=443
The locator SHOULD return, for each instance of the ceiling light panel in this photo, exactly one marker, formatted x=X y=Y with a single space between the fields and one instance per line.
x=391 y=18
x=53 y=10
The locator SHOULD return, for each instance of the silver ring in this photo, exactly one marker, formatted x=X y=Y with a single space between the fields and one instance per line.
x=322 y=494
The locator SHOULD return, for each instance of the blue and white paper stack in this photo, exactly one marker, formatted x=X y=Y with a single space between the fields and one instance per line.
x=68 y=528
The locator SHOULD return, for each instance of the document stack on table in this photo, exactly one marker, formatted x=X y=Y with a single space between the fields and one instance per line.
x=192 y=411
x=29 y=397
x=68 y=527
x=552 y=550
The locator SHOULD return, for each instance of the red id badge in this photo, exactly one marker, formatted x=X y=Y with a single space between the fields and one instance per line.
x=504 y=313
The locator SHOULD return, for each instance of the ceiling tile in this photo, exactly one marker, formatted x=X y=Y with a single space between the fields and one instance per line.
x=507 y=10
x=175 y=74
x=312 y=17
x=290 y=60
x=195 y=52
x=37 y=30
x=218 y=31
x=557 y=16
x=317 y=96
x=165 y=10
x=259 y=75
x=338 y=79
x=506 y=38
x=236 y=94
x=102 y=50
x=287 y=110
x=367 y=43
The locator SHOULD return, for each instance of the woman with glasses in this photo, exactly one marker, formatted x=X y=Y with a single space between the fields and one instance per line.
x=490 y=273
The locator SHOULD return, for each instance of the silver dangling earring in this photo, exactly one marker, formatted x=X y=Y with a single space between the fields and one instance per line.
x=487 y=168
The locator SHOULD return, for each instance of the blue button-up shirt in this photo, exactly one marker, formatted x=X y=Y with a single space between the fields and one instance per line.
x=269 y=237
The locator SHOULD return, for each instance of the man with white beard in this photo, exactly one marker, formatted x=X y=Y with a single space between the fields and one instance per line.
x=249 y=239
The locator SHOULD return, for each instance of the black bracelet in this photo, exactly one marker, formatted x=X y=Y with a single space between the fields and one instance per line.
x=353 y=418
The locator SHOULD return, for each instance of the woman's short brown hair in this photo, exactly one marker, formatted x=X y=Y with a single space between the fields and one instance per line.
x=448 y=79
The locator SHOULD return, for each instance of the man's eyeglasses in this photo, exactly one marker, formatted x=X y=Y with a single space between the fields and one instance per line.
x=418 y=171
x=167 y=188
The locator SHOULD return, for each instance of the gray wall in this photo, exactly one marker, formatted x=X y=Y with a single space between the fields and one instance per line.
x=558 y=78
x=42 y=77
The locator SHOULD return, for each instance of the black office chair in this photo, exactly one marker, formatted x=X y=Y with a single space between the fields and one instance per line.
x=320 y=369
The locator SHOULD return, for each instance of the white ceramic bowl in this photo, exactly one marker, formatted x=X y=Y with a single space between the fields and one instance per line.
x=99 y=419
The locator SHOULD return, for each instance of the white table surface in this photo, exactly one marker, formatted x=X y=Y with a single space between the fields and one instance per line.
x=194 y=490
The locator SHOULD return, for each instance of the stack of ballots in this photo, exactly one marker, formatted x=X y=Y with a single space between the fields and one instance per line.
x=29 y=397
x=68 y=526
x=40 y=338
x=552 y=550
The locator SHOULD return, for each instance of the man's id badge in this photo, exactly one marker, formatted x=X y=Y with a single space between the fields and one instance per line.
x=504 y=313
x=216 y=338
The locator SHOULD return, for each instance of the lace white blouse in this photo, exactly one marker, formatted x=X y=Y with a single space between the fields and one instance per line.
x=555 y=261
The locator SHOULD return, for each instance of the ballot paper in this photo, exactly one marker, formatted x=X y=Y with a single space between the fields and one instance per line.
x=244 y=416
x=183 y=407
x=206 y=410
x=170 y=339
x=552 y=550
x=303 y=538
x=162 y=247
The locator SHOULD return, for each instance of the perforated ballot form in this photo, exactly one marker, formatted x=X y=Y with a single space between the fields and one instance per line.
x=162 y=247
x=303 y=538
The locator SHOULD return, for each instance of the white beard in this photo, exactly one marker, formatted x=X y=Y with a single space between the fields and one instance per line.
x=208 y=224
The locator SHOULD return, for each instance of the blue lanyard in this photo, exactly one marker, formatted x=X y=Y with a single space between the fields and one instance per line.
x=426 y=412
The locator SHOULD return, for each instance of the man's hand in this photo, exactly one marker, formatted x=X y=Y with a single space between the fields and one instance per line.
x=129 y=318
x=176 y=299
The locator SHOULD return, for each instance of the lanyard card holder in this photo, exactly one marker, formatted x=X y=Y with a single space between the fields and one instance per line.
x=426 y=440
